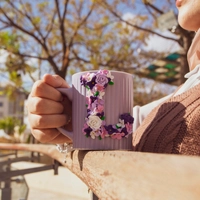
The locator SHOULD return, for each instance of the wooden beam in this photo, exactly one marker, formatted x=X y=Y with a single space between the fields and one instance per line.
x=129 y=175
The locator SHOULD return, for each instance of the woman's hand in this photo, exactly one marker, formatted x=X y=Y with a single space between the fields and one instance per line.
x=48 y=109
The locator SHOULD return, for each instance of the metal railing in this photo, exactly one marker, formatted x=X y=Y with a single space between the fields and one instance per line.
x=10 y=176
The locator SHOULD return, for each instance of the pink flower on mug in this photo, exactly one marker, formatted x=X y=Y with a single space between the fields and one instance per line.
x=104 y=71
x=129 y=128
x=104 y=133
x=101 y=79
x=99 y=87
x=94 y=122
x=100 y=108
x=117 y=136
x=85 y=126
x=88 y=101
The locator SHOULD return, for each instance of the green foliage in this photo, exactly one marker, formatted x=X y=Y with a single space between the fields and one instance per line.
x=10 y=91
x=8 y=124
x=36 y=20
x=9 y=41
x=15 y=64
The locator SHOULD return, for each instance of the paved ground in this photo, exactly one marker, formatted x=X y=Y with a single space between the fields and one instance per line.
x=47 y=186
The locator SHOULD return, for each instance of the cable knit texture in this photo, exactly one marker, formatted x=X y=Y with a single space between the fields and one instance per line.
x=172 y=127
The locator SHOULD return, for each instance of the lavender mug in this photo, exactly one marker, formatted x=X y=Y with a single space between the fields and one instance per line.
x=102 y=104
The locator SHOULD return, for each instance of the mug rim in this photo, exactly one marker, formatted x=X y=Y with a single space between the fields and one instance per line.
x=112 y=71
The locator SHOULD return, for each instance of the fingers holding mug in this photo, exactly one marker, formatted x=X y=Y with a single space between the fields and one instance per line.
x=52 y=136
x=41 y=106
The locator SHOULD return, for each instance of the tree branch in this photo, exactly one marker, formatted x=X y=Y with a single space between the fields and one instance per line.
x=62 y=31
x=51 y=26
x=66 y=59
x=151 y=13
x=12 y=23
x=62 y=28
x=4 y=27
x=80 y=24
x=50 y=58
x=137 y=27
x=26 y=16
x=153 y=7
x=65 y=9
x=30 y=56
x=102 y=26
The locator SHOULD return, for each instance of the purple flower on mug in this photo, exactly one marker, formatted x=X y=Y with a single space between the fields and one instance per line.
x=127 y=118
x=93 y=99
x=83 y=81
x=110 y=129
x=87 y=131
x=91 y=83
x=85 y=126
x=100 y=102
x=124 y=130
x=100 y=114
x=93 y=106
x=101 y=79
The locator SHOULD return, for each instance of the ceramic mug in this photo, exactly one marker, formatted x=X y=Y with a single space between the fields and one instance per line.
x=102 y=105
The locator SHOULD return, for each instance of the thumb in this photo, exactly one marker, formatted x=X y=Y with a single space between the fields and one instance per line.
x=55 y=81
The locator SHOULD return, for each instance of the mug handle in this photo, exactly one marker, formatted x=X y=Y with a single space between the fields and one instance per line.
x=69 y=94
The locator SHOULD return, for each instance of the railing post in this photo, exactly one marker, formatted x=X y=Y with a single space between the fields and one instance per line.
x=55 y=167
x=93 y=196
x=7 y=190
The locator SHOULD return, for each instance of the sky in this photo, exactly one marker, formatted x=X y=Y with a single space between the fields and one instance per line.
x=155 y=42
x=159 y=44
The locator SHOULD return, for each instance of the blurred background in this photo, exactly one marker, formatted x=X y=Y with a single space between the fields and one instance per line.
x=141 y=37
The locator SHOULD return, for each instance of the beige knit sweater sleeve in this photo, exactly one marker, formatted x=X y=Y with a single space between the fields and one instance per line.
x=172 y=126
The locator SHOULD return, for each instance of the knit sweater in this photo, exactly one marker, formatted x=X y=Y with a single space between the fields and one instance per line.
x=172 y=127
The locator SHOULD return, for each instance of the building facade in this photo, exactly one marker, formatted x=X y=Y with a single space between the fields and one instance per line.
x=12 y=108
